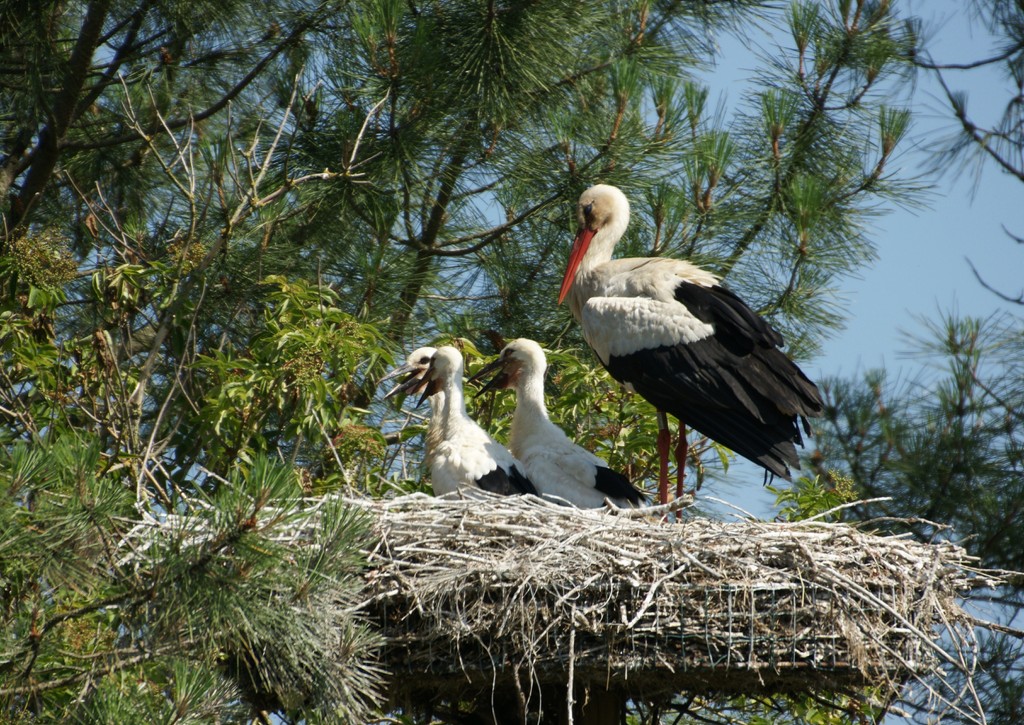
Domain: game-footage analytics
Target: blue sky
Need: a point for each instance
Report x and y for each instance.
(923, 264)
(922, 267)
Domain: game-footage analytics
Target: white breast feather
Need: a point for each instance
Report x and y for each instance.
(445, 469)
(557, 466)
(624, 325)
(461, 462)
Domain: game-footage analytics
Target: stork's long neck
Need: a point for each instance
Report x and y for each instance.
(587, 280)
(530, 408)
(435, 426)
(530, 395)
(454, 404)
(603, 243)
(438, 411)
(437, 404)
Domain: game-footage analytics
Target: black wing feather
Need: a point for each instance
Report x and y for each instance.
(738, 326)
(615, 485)
(736, 386)
(506, 483)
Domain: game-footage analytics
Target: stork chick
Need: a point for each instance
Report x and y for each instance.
(465, 456)
(557, 466)
(416, 366)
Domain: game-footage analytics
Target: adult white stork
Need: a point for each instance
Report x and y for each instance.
(669, 331)
(557, 466)
(465, 456)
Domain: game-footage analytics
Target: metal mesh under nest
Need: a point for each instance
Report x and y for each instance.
(494, 591)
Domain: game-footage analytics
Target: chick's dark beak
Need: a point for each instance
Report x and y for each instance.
(498, 382)
(414, 376)
(429, 387)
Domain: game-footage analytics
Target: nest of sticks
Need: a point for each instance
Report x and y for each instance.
(520, 596)
(491, 592)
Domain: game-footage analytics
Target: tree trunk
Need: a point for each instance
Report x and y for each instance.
(44, 158)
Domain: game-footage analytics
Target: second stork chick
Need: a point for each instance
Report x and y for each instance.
(557, 466)
(464, 456)
(415, 369)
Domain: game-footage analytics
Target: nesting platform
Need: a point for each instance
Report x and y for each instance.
(495, 592)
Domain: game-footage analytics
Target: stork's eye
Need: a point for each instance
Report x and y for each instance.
(425, 360)
(588, 209)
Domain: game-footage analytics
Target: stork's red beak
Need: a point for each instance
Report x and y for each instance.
(579, 249)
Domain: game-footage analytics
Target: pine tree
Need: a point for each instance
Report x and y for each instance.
(223, 220)
(945, 445)
(944, 451)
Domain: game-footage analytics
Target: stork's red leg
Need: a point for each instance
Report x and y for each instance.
(681, 448)
(664, 442)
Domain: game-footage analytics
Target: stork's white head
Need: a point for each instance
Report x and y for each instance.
(602, 211)
(601, 204)
(444, 369)
(416, 366)
(522, 358)
(446, 364)
(419, 359)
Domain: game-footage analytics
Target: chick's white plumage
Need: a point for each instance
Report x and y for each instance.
(415, 369)
(556, 465)
(465, 456)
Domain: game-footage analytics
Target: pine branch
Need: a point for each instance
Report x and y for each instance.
(426, 244)
(819, 94)
(214, 108)
(43, 158)
(127, 47)
(1011, 50)
(972, 132)
(120, 660)
(491, 235)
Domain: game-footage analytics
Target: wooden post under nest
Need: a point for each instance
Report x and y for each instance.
(588, 706)
(511, 602)
(601, 707)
